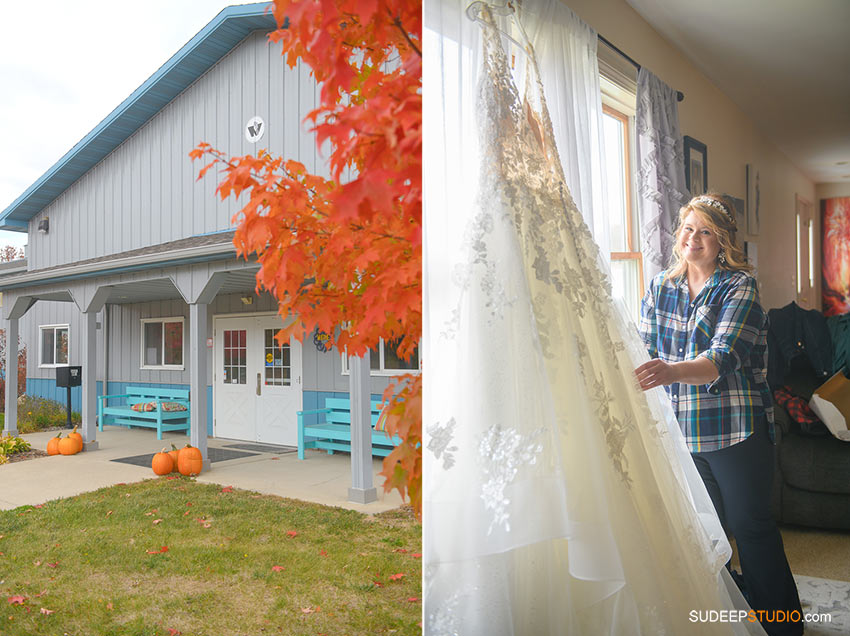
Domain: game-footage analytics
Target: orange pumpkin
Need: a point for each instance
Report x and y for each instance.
(174, 453)
(68, 446)
(190, 461)
(53, 445)
(162, 463)
(75, 435)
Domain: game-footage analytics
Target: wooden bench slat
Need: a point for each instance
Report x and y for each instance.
(335, 432)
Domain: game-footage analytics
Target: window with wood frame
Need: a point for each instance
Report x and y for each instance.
(626, 258)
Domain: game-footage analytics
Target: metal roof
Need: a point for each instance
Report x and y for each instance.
(196, 57)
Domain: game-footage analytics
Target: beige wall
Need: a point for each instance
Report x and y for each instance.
(830, 190)
(731, 137)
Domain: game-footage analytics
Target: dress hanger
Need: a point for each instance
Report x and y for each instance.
(473, 12)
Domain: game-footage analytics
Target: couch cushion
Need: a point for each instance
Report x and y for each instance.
(817, 464)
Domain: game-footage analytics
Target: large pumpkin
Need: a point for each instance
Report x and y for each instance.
(162, 463)
(189, 460)
(53, 445)
(68, 446)
(75, 435)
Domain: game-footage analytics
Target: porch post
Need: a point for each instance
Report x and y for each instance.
(90, 380)
(11, 425)
(198, 318)
(362, 490)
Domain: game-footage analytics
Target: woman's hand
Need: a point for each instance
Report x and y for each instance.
(655, 373)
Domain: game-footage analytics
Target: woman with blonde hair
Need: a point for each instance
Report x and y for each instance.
(706, 333)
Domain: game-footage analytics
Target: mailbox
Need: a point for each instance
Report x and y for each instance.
(69, 376)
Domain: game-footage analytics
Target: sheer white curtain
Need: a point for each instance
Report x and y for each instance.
(566, 54)
(661, 177)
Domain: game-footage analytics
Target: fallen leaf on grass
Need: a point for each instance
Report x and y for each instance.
(204, 522)
(292, 533)
(278, 568)
(109, 606)
(108, 513)
(44, 610)
(55, 564)
(16, 600)
(148, 514)
(378, 583)
(172, 477)
(413, 599)
(310, 610)
(227, 489)
(323, 553)
(38, 506)
(400, 550)
(37, 563)
(42, 593)
(160, 551)
(416, 555)
(173, 632)
(157, 521)
(396, 577)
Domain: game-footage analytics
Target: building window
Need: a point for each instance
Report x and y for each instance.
(384, 360)
(54, 346)
(162, 343)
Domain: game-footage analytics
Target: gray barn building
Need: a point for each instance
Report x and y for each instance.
(130, 269)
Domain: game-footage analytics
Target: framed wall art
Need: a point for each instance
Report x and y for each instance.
(835, 225)
(696, 166)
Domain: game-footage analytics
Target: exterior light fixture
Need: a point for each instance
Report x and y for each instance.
(44, 225)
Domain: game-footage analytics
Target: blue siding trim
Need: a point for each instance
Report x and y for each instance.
(313, 400)
(197, 56)
(46, 388)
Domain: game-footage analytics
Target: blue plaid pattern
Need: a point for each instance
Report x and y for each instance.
(726, 324)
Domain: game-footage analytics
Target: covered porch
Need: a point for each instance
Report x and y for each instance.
(173, 282)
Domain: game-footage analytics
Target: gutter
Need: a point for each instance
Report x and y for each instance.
(185, 256)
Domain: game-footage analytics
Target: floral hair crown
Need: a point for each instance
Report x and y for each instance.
(717, 205)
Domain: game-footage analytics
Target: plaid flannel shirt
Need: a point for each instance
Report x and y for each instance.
(726, 324)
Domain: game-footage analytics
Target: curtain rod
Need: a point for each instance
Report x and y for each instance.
(680, 96)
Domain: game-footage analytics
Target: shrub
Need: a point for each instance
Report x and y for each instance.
(37, 414)
(10, 445)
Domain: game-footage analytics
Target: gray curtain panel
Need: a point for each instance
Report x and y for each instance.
(661, 174)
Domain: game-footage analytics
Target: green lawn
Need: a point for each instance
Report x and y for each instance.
(172, 556)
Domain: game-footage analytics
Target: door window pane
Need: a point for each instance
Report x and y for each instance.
(235, 356)
(276, 360)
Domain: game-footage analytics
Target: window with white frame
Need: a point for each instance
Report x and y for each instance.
(53, 346)
(162, 343)
(384, 360)
(619, 91)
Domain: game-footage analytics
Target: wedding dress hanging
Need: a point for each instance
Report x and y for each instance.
(558, 497)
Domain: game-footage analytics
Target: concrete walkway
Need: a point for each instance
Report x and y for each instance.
(319, 478)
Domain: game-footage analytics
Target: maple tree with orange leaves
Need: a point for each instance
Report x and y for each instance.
(344, 254)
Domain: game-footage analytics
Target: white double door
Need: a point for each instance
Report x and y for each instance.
(257, 384)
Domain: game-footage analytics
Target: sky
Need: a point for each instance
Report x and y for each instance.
(65, 65)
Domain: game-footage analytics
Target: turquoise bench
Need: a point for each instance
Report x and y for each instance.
(333, 433)
(124, 415)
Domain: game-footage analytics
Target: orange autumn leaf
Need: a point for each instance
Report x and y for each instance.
(46, 611)
(16, 600)
(278, 568)
(160, 551)
(227, 489)
(396, 577)
(292, 533)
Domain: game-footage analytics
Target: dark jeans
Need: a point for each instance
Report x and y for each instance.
(739, 480)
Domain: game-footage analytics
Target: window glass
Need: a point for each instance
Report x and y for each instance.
(615, 166)
(153, 344)
(61, 345)
(174, 343)
(393, 361)
(276, 360)
(235, 369)
(47, 340)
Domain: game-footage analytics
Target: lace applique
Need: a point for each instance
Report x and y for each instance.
(441, 437)
(443, 621)
(503, 452)
(616, 430)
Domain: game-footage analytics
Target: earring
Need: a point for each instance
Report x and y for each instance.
(722, 257)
